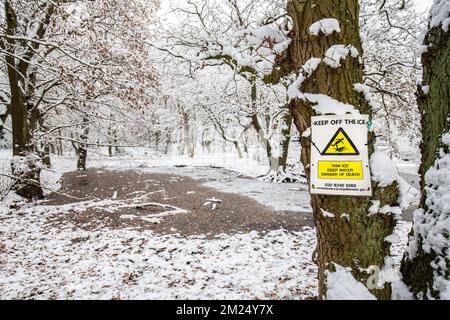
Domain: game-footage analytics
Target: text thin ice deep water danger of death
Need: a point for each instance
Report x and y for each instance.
(340, 156)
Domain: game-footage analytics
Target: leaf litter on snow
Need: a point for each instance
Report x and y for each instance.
(44, 261)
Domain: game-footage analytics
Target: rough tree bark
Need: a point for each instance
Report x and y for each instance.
(434, 104)
(17, 106)
(356, 242)
(24, 166)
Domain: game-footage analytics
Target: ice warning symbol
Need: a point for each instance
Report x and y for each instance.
(340, 145)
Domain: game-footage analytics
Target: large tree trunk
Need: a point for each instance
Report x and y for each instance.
(352, 238)
(17, 107)
(25, 167)
(426, 264)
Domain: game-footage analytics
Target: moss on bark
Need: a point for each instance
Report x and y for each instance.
(434, 104)
(357, 242)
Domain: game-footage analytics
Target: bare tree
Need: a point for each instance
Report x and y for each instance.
(63, 57)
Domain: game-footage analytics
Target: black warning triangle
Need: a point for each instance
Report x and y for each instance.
(340, 145)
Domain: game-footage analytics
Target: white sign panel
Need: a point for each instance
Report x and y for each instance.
(339, 156)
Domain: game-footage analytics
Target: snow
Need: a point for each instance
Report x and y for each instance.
(307, 133)
(339, 52)
(366, 91)
(433, 224)
(390, 271)
(5, 182)
(293, 91)
(424, 5)
(388, 274)
(213, 202)
(391, 274)
(327, 214)
(288, 197)
(402, 229)
(44, 261)
(341, 285)
(440, 14)
(442, 285)
(326, 26)
(375, 207)
(387, 209)
(362, 88)
(408, 168)
(323, 104)
(408, 195)
(397, 211)
(393, 238)
(327, 105)
(255, 47)
(384, 171)
(311, 65)
(109, 206)
(223, 172)
(400, 291)
(41, 261)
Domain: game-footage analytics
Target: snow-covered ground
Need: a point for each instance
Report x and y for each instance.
(289, 197)
(43, 262)
(224, 172)
(40, 260)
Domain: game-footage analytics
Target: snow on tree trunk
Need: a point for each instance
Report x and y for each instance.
(44, 155)
(25, 167)
(81, 150)
(286, 134)
(348, 236)
(426, 264)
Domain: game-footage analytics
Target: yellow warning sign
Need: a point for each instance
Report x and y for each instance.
(341, 145)
(341, 170)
